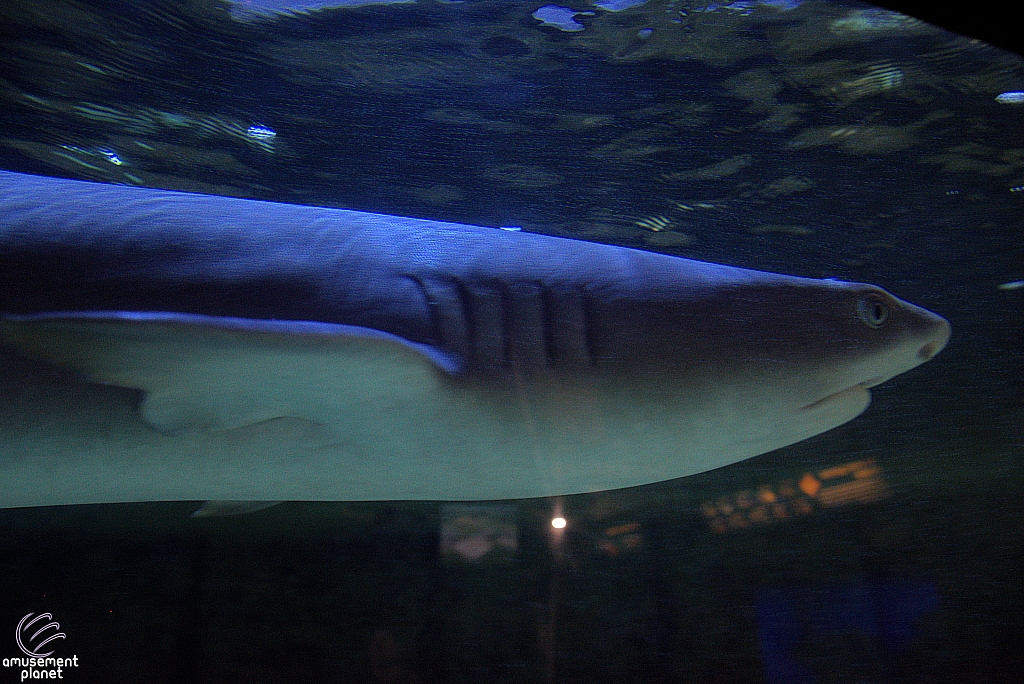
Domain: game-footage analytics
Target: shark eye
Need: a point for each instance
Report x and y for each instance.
(873, 310)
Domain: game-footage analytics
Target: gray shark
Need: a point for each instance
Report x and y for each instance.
(164, 345)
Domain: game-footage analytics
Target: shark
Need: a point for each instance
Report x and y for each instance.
(159, 345)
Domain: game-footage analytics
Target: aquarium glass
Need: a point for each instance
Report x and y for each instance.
(808, 138)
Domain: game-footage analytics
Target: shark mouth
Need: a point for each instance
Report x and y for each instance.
(857, 391)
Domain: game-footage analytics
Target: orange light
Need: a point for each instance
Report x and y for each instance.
(809, 484)
(846, 469)
(858, 491)
(631, 542)
(622, 529)
(867, 471)
(853, 482)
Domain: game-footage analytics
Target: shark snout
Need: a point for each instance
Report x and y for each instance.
(930, 329)
(938, 342)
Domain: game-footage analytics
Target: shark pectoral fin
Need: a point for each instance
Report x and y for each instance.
(215, 373)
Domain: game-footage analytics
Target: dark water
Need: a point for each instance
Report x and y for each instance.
(824, 139)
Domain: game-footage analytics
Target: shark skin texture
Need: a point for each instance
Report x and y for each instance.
(159, 345)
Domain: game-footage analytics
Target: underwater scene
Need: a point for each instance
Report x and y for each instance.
(414, 341)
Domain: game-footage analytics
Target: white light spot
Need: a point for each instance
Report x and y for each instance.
(111, 156)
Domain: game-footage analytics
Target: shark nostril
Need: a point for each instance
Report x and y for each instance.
(929, 350)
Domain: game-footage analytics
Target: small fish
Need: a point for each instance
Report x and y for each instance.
(111, 156)
(655, 223)
(879, 79)
(162, 346)
(1012, 285)
(1012, 97)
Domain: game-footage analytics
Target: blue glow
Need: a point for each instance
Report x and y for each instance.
(784, 5)
(260, 132)
(560, 17)
(617, 5)
(248, 10)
